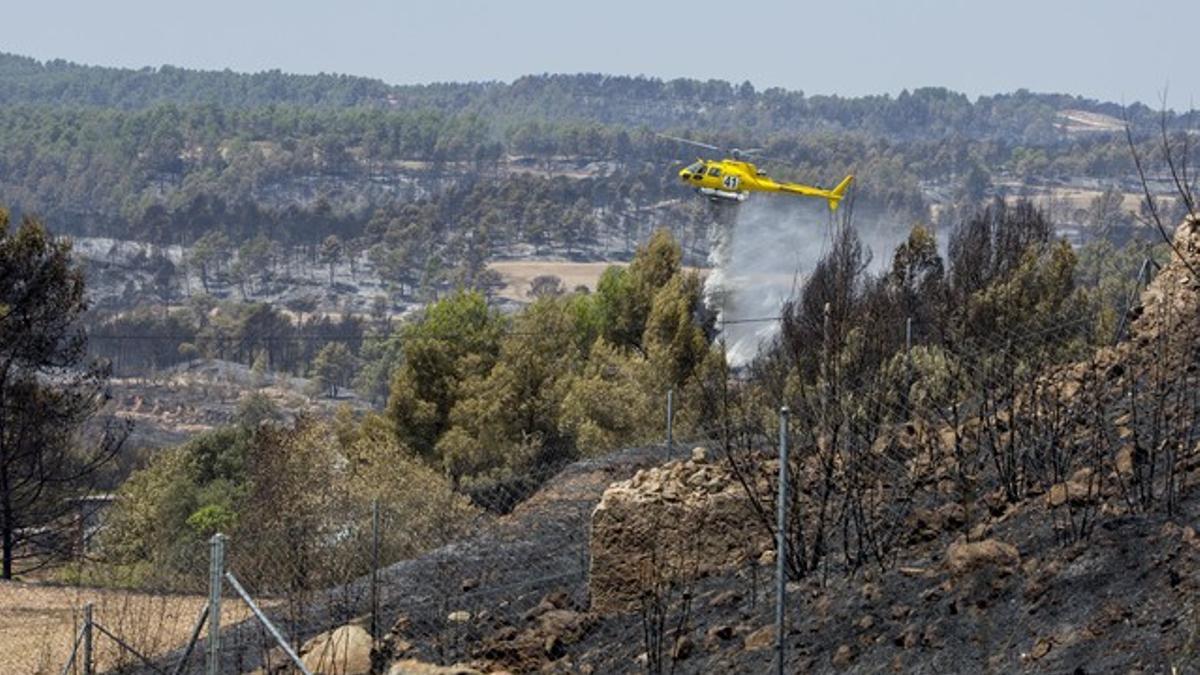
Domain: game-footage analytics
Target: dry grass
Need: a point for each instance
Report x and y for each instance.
(517, 274)
(38, 624)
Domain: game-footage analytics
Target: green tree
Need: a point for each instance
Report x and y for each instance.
(331, 252)
(48, 389)
(508, 419)
(625, 297)
(1036, 294)
(253, 260)
(209, 251)
(333, 367)
(457, 338)
(675, 341)
(607, 404)
(545, 285)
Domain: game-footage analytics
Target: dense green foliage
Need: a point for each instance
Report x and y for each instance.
(627, 101)
(490, 399)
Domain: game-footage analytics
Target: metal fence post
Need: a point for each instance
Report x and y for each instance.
(781, 542)
(670, 422)
(88, 662)
(908, 369)
(375, 533)
(216, 572)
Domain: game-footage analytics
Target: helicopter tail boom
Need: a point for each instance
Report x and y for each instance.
(833, 197)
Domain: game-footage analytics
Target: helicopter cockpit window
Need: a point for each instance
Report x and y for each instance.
(714, 171)
(697, 168)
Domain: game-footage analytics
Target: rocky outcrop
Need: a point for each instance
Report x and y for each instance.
(676, 521)
(1174, 294)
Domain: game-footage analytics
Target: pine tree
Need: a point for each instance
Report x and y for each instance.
(48, 389)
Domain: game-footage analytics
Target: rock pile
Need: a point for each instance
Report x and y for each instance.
(681, 520)
(544, 637)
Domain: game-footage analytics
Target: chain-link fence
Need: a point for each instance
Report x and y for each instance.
(78, 620)
(309, 588)
(380, 579)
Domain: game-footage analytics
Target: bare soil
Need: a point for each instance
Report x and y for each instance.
(517, 275)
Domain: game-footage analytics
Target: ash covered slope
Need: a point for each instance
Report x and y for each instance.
(1093, 569)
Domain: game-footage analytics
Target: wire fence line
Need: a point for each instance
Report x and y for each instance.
(1043, 416)
(366, 569)
(444, 599)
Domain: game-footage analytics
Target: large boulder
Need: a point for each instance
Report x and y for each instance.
(342, 651)
(677, 521)
(963, 557)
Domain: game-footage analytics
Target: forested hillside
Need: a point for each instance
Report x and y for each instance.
(167, 154)
(258, 198)
(628, 101)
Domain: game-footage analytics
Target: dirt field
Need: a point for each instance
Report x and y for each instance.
(38, 624)
(517, 274)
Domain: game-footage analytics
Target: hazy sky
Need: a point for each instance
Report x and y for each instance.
(1119, 50)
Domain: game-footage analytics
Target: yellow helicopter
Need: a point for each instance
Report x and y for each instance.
(733, 178)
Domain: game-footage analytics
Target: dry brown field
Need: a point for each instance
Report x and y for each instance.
(38, 624)
(517, 274)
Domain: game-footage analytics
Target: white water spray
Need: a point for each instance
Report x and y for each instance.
(764, 257)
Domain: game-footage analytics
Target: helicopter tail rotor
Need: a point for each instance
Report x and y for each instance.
(836, 194)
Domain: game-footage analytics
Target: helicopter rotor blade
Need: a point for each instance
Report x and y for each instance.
(746, 154)
(689, 141)
(761, 158)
